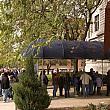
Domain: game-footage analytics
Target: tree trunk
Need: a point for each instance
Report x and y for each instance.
(48, 68)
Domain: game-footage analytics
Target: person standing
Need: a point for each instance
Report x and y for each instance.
(108, 82)
(5, 85)
(75, 84)
(98, 84)
(61, 83)
(0, 85)
(44, 78)
(55, 80)
(91, 82)
(12, 80)
(85, 78)
(67, 80)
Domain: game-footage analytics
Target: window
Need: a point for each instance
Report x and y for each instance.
(97, 23)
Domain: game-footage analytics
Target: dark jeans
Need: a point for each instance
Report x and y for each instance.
(61, 90)
(98, 90)
(94, 87)
(67, 94)
(85, 88)
(55, 87)
(91, 88)
(108, 89)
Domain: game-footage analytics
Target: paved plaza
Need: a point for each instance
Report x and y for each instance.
(7, 106)
(60, 102)
(64, 102)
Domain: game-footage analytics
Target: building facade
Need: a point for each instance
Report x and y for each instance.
(96, 33)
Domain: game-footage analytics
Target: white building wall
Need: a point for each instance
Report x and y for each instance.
(98, 65)
(102, 66)
(98, 35)
(94, 34)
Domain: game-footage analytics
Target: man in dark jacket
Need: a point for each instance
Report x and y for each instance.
(67, 80)
(61, 84)
(108, 82)
(5, 86)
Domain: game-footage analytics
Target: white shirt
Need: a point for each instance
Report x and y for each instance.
(85, 78)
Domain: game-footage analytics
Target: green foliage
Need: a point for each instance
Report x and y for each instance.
(92, 107)
(29, 94)
(49, 77)
(101, 106)
(22, 21)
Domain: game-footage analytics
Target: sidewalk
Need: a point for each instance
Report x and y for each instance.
(7, 106)
(78, 102)
(61, 102)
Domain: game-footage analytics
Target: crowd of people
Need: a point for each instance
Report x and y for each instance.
(61, 81)
(7, 79)
(85, 84)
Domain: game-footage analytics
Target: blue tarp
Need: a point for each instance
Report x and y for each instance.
(61, 49)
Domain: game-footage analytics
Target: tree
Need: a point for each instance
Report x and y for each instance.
(48, 64)
(23, 21)
(78, 21)
(28, 93)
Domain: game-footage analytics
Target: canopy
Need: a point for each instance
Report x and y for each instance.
(62, 49)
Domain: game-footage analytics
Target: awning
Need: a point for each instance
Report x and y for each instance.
(62, 49)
